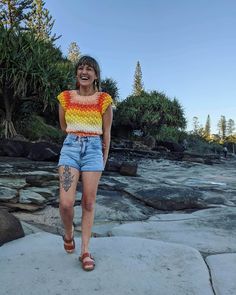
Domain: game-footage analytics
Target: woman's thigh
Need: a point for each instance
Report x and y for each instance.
(90, 180)
(69, 177)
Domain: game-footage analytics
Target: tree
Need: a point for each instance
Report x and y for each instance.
(207, 131)
(30, 69)
(222, 127)
(73, 53)
(230, 127)
(14, 12)
(149, 113)
(138, 83)
(197, 128)
(110, 86)
(196, 125)
(40, 21)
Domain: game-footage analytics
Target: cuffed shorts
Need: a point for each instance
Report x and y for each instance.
(82, 152)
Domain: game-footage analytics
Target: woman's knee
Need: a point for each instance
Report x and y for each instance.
(88, 205)
(66, 205)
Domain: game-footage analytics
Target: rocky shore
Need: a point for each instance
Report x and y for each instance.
(162, 204)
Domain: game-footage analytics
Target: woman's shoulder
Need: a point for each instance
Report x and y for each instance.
(65, 92)
(104, 95)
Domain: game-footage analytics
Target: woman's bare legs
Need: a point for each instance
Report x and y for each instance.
(90, 182)
(69, 177)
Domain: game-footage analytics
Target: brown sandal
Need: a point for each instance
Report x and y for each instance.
(71, 247)
(87, 265)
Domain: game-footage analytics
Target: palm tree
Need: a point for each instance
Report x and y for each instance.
(30, 69)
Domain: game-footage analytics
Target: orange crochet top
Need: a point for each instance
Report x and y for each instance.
(83, 114)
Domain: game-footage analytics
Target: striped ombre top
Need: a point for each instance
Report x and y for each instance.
(83, 114)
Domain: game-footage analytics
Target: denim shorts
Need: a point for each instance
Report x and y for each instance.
(82, 152)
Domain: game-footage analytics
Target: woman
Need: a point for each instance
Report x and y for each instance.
(86, 115)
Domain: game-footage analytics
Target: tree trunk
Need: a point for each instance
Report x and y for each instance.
(9, 129)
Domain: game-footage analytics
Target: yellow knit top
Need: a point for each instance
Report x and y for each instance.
(83, 114)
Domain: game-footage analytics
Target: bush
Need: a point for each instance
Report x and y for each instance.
(35, 128)
(149, 112)
(170, 134)
(199, 145)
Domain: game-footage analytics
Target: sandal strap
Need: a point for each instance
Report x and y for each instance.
(71, 242)
(86, 254)
(68, 241)
(88, 263)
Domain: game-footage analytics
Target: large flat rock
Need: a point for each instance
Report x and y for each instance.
(223, 270)
(209, 231)
(37, 264)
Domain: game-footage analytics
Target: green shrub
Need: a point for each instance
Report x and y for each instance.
(35, 128)
(170, 134)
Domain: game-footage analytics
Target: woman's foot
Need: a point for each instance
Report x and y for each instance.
(69, 243)
(87, 261)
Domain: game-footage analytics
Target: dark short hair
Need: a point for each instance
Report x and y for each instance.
(90, 61)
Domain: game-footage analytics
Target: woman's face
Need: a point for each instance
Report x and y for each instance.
(86, 75)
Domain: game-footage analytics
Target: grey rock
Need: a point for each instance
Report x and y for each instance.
(210, 231)
(50, 192)
(223, 270)
(10, 227)
(41, 179)
(171, 198)
(128, 169)
(24, 207)
(123, 266)
(12, 182)
(30, 197)
(8, 194)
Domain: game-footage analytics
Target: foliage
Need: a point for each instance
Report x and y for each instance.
(30, 69)
(207, 131)
(149, 112)
(138, 83)
(198, 144)
(110, 86)
(40, 21)
(34, 128)
(230, 127)
(14, 12)
(222, 127)
(73, 53)
(170, 134)
(197, 128)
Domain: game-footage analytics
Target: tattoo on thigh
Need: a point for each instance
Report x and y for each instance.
(66, 178)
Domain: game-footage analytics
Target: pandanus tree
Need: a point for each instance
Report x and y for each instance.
(30, 69)
(149, 112)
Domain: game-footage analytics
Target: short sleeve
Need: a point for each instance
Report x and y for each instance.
(63, 99)
(107, 100)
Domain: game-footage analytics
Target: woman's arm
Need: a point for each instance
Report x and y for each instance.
(106, 123)
(62, 118)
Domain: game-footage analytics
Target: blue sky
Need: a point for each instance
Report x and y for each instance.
(186, 48)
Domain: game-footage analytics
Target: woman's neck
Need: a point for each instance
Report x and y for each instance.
(86, 91)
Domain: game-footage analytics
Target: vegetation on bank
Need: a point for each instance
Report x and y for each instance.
(33, 71)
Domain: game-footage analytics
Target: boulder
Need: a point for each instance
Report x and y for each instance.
(150, 141)
(172, 146)
(171, 198)
(14, 148)
(113, 166)
(128, 169)
(41, 179)
(31, 197)
(10, 227)
(44, 151)
(8, 194)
